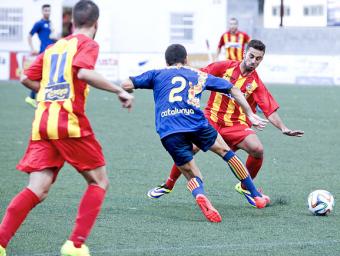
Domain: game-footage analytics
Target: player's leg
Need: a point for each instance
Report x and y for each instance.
(239, 170)
(180, 148)
(88, 210)
(234, 136)
(85, 154)
(42, 162)
(90, 204)
(20, 206)
(166, 188)
(253, 146)
(196, 186)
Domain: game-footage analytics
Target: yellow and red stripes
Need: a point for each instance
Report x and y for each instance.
(238, 168)
(224, 110)
(192, 184)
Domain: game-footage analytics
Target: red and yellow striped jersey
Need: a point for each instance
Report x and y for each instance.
(234, 44)
(62, 96)
(225, 111)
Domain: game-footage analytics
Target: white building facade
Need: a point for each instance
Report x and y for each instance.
(297, 13)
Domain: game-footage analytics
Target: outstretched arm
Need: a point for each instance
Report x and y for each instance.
(257, 121)
(98, 81)
(127, 85)
(275, 119)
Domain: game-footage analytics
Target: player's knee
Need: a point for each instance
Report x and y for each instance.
(257, 151)
(195, 149)
(41, 193)
(103, 183)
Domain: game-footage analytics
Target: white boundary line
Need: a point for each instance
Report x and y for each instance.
(230, 247)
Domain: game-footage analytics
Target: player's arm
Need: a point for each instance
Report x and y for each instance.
(238, 96)
(30, 43)
(98, 81)
(29, 38)
(127, 85)
(224, 86)
(220, 44)
(32, 75)
(269, 107)
(143, 81)
(276, 120)
(30, 84)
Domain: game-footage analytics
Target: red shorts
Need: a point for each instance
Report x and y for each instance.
(233, 135)
(83, 153)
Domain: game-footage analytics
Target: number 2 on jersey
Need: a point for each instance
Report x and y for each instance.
(172, 96)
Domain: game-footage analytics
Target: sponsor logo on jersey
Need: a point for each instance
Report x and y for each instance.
(177, 111)
(57, 92)
(233, 45)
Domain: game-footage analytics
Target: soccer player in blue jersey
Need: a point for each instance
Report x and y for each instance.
(180, 123)
(43, 29)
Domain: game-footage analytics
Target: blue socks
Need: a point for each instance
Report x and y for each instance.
(195, 185)
(241, 172)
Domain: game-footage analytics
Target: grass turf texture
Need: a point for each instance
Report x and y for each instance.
(131, 224)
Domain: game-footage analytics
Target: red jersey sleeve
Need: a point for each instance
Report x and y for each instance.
(216, 68)
(246, 38)
(221, 42)
(264, 99)
(34, 72)
(86, 56)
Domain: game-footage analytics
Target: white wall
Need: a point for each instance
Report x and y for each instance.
(296, 17)
(31, 14)
(144, 25)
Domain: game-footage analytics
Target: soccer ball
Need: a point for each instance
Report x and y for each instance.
(320, 202)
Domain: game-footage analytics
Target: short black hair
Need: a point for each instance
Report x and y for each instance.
(256, 44)
(85, 14)
(233, 18)
(45, 6)
(174, 54)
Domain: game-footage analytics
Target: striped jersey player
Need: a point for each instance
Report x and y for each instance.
(233, 41)
(180, 122)
(228, 118)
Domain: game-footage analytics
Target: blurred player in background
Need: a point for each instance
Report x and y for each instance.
(180, 122)
(44, 30)
(61, 131)
(226, 116)
(233, 41)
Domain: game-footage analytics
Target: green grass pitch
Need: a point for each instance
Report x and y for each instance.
(131, 224)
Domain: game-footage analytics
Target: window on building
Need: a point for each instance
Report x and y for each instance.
(11, 24)
(276, 10)
(181, 27)
(313, 10)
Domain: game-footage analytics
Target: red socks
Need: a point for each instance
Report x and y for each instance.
(174, 175)
(16, 213)
(253, 165)
(26, 200)
(88, 210)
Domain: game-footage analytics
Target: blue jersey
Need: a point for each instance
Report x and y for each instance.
(43, 29)
(177, 93)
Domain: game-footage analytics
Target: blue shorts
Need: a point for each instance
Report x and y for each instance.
(179, 145)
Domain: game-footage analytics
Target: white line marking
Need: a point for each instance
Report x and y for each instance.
(234, 247)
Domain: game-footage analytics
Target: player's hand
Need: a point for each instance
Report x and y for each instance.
(294, 133)
(126, 99)
(258, 122)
